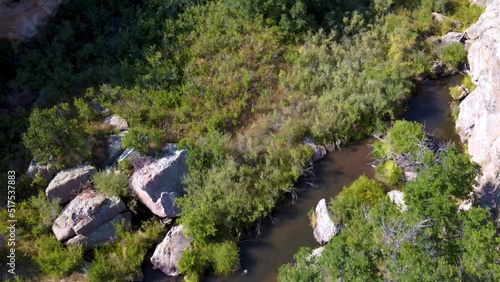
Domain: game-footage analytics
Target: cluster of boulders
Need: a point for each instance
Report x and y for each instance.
(479, 114)
(90, 218)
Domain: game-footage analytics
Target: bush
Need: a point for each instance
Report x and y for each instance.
(112, 183)
(453, 55)
(468, 83)
(363, 191)
(52, 134)
(225, 257)
(143, 139)
(404, 136)
(54, 258)
(455, 92)
(389, 173)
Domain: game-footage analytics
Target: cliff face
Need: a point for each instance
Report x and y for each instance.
(20, 20)
(479, 119)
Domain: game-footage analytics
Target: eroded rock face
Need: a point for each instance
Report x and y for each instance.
(114, 147)
(158, 182)
(324, 229)
(479, 118)
(168, 253)
(453, 37)
(67, 183)
(20, 20)
(398, 198)
(319, 150)
(85, 214)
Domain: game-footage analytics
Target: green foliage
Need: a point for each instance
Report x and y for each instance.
(54, 258)
(52, 135)
(453, 55)
(456, 92)
(122, 261)
(111, 183)
(143, 139)
(36, 215)
(225, 257)
(304, 269)
(389, 173)
(468, 83)
(363, 191)
(466, 13)
(405, 135)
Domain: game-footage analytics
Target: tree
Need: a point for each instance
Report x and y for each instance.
(52, 134)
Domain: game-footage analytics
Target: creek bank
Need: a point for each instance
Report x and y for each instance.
(479, 112)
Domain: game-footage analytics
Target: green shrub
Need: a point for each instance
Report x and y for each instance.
(143, 139)
(389, 173)
(125, 166)
(455, 110)
(225, 257)
(52, 134)
(453, 55)
(468, 83)
(455, 92)
(363, 191)
(466, 13)
(36, 215)
(404, 136)
(112, 183)
(54, 258)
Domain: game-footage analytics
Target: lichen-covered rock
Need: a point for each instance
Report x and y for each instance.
(319, 150)
(324, 228)
(168, 253)
(398, 198)
(84, 214)
(67, 183)
(158, 182)
(104, 234)
(116, 122)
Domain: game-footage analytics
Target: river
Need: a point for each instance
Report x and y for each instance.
(290, 228)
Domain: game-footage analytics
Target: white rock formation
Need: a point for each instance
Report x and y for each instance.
(67, 183)
(168, 253)
(324, 228)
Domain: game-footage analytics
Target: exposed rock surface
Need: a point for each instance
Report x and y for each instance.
(158, 182)
(479, 118)
(116, 122)
(67, 183)
(168, 253)
(85, 214)
(398, 198)
(114, 147)
(324, 228)
(19, 20)
(453, 37)
(46, 171)
(103, 234)
(319, 150)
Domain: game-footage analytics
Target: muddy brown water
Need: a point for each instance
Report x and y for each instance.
(290, 228)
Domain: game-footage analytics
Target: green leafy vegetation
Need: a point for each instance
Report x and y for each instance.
(237, 83)
(453, 55)
(54, 258)
(111, 183)
(432, 241)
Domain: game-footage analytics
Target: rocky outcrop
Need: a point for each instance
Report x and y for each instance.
(453, 37)
(46, 171)
(20, 20)
(324, 228)
(479, 116)
(168, 253)
(158, 182)
(103, 234)
(67, 183)
(85, 214)
(319, 150)
(398, 198)
(116, 122)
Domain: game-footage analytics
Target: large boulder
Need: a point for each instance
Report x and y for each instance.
(116, 122)
(67, 183)
(86, 213)
(168, 253)
(440, 18)
(158, 182)
(324, 228)
(46, 171)
(479, 114)
(319, 150)
(398, 198)
(104, 234)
